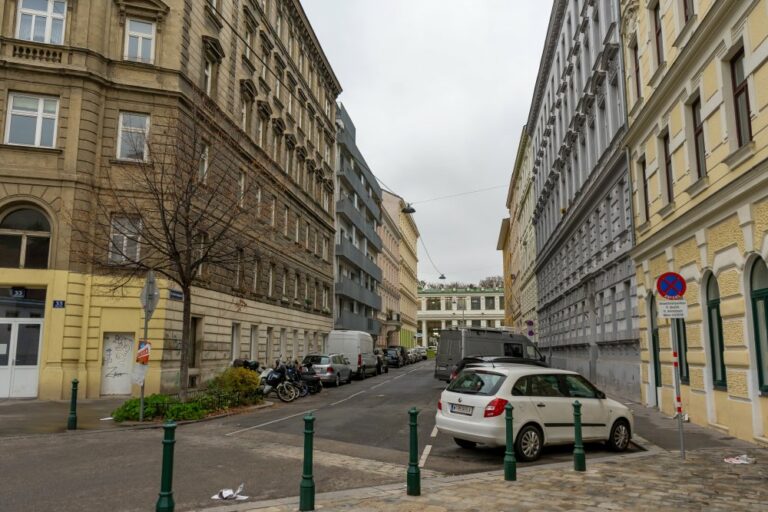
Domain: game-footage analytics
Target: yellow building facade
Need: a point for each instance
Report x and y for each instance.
(517, 242)
(697, 96)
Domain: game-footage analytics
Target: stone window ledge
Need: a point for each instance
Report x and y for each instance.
(740, 155)
(657, 74)
(697, 186)
(682, 37)
(33, 149)
(667, 210)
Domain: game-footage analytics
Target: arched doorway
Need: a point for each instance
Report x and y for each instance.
(655, 349)
(759, 287)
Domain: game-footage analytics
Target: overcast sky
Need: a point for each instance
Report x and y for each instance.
(439, 91)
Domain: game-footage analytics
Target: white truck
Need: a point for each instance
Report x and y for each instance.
(357, 347)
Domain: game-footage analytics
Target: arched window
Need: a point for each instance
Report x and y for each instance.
(716, 343)
(759, 286)
(25, 237)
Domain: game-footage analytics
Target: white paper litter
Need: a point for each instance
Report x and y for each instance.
(741, 459)
(229, 494)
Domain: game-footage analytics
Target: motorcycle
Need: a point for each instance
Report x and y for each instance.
(310, 377)
(272, 380)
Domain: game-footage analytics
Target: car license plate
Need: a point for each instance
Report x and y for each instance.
(461, 409)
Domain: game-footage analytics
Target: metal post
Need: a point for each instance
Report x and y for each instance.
(510, 464)
(678, 401)
(414, 475)
(165, 500)
(72, 418)
(141, 395)
(579, 459)
(307, 487)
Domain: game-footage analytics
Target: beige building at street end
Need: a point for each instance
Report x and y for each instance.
(697, 97)
(408, 264)
(87, 88)
(445, 308)
(517, 241)
(389, 262)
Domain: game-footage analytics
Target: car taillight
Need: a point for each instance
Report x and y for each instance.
(330, 369)
(453, 375)
(359, 360)
(495, 408)
(439, 405)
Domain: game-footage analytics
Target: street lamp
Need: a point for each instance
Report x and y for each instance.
(408, 208)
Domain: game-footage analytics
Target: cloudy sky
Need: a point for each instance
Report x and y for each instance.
(439, 91)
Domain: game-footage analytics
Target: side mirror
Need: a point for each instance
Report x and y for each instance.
(600, 394)
(543, 359)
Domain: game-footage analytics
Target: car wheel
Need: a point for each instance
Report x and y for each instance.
(349, 378)
(620, 436)
(338, 380)
(529, 443)
(386, 369)
(362, 373)
(464, 443)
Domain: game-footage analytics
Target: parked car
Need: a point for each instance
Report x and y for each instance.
(332, 368)
(413, 356)
(471, 409)
(394, 357)
(456, 344)
(422, 352)
(474, 361)
(402, 354)
(383, 363)
(357, 347)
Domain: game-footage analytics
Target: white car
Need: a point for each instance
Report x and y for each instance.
(471, 409)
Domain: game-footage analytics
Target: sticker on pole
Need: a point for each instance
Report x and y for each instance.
(142, 355)
(671, 285)
(139, 374)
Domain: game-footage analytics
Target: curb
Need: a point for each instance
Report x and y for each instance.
(426, 484)
(130, 425)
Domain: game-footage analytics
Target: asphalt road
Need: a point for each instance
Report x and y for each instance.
(361, 440)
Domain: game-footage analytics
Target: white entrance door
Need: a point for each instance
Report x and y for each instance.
(117, 364)
(19, 357)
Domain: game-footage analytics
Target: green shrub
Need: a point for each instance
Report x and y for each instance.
(187, 411)
(154, 406)
(236, 380)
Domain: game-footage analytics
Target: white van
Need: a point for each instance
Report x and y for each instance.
(357, 346)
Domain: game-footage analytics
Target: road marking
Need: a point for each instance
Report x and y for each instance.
(349, 397)
(424, 455)
(270, 422)
(434, 432)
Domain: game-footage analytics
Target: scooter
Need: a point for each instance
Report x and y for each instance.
(311, 378)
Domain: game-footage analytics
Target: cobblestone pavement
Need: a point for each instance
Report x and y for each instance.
(656, 480)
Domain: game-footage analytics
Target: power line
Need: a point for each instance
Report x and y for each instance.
(459, 194)
(421, 239)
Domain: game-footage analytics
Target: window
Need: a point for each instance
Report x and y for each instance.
(238, 269)
(325, 248)
(139, 41)
(250, 42)
(202, 165)
(271, 282)
(545, 385)
(132, 137)
(241, 189)
(25, 237)
(285, 283)
(42, 21)
(273, 212)
(201, 243)
(658, 34)
(255, 276)
(643, 179)
(681, 345)
(476, 382)
(759, 286)
(476, 323)
(490, 303)
(716, 344)
(474, 303)
(687, 10)
(741, 99)
(296, 287)
(32, 120)
(698, 138)
(513, 350)
(208, 78)
(668, 172)
(125, 239)
(433, 304)
(636, 69)
(579, 387)
(235, 348)
(286, 214)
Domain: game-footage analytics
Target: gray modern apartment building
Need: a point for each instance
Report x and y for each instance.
(583, 219)
(358, 213)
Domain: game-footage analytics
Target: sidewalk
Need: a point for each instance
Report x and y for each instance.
(653, 480)
(19, 417)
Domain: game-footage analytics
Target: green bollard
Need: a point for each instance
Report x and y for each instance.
(510, 464)
(414, 475)
(579, 459)
(165, 500)
(307, 487)
(72, 419)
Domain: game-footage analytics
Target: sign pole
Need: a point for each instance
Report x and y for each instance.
(141, 395)
(678, 400)
(149, 298)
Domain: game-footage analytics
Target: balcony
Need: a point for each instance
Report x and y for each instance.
(356, 322)
(348, 288)
(356, 217)
(347, 250)
(348, 175)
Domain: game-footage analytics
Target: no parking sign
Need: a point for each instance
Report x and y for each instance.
(671, 286)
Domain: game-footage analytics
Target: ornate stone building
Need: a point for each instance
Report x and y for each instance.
(698, 147)
(86, 89)
(582, 213)
(443, 308)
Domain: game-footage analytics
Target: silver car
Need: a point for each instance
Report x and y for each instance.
(332, 368)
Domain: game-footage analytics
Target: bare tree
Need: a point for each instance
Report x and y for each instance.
(492, 282)
(179, 206)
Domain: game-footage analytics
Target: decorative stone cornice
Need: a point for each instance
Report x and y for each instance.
(155, 10)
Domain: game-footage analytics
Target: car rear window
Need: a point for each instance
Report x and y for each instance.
(477, 383)
(317, 360)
